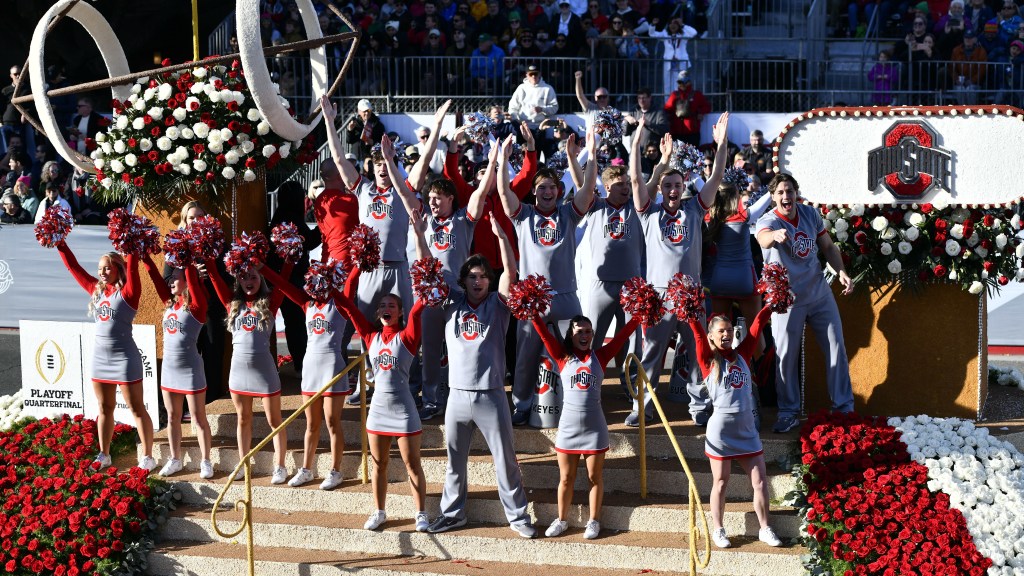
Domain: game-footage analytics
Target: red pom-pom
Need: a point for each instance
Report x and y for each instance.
(177, 250)
(640, 300)
(325, 278)
(206, 238)
(428, 281)
(247, 252)
(287, 242)
(54, 226)
(530, 297)
(132, 234)
(685, 297)
(363, 246)
(774, 285)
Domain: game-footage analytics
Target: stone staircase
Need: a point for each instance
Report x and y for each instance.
(310, 532)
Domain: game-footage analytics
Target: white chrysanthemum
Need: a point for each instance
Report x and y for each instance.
(957, 231)
(249, 176)
(904, 248)
(173, 132)
(253, 115)
(197, 88)
(215, 147)
(116, 166)
(269, 150)
(163, 143)
(879, 223)
(895, 267)
(199, 165)
(145, 144)
(179, 114)
(976, 287)
(228, 172)
(226, 96)
(138, 123)
(98, 163)
(285, 149)
(131, 159)
(164, 91)
(107, 148)
(238, 97)
(156, 112)
(121, 122)
(225, 134)
(199, 72)
(231, 157)
(247, 146)
(885, 249)
(201, 129)
(952, 247)
(263, 128)
(912, 233)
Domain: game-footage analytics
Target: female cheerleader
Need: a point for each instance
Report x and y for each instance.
(582, 429)
(116, 359)
(251, 307)
(731, 433)
(182, 375)
(393, 413)
(324, 360)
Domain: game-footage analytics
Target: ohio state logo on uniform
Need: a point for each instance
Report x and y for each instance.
(379, 208)
(802, 244)
(582, 379)
(616, 228)
(385, 360)
(248, 321)
(318, 324)
(735, 377)
(443, 240)
(470, 327)
(104, 312)
(547, 232)
(909, 163)
(545, 376)
(172, 324)
(674, 230)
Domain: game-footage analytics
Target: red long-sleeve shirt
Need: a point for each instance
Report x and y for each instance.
(410, 335)
(196, 292)
(226, 294)
(690, 124)
(706, 356)
(130, 291)
(604, 352)
(301, 297)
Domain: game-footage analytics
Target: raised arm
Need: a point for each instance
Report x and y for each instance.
(661, 167)
(585, 196)
(710, 188)
(418, 221)
(224, 293)
(351, 286)
(159, 283)
(451, 167)
(581, 96)
(641, 197)
(280, 282)
(509, 201)
(476, 203)
(551, 343)
(749, 344)
(349, 174)
(523, 181)
(361, 324)
(84, 279)
(608, 351)
(413, 331)
(387, 149)
(705, 356)
(196, 294)
(575, 159)
(276, 294)
(508, 259)
(132, 290)
(418, 174)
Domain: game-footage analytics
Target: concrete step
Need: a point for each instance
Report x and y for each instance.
(619, 511)
(621, 473)
(487, 543)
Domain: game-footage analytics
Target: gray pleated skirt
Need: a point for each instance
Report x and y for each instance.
(116, 361)
(732, 436)
(581, 431)
(393, 414)
(183, 373)
(318, 369)
(254, 375)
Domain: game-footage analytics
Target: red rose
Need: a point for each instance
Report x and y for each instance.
(139, 181)
(233, 125)
(250, 162)
(247, 128)
(989, 266)
(860, 238)
(988, 220)
(194, 105)
(986, 244)
(1003, 280)
(205, 117)
(233, 106)
(165, 62)
(155, 131)
(170, 121)
(90, 144)
(210, 176)
(861, 249)
(147, 119)
(126, 177)
(221, 159)
(940, 237)
(236, 64)
(131, 142)
(104, 121)
(198, 148)
(180, 97)
(152, 155)
(941, 224)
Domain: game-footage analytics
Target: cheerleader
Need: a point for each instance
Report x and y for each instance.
(182, 375)
(731, 433)
(116, 359)
(325, 358)
(582, 429)
(252, 307)
(391, 350)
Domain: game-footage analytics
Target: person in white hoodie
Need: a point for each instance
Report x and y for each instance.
(534, 99)
(674, 38)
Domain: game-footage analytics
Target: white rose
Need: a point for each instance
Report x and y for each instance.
(148, 93)
(163, 143)
(262, 128)
(139, 105)
(116, 166)
(225, 134)
(187, 133)
(173, 132)
(247, 146)
(122, 122)
(131, 159)
(885, 248)
(1019, 251)
(231, 157)
(156, 113)
(253, 115)
(242, 137)
(215, 147)
(1015, 222)
(842, 236)
(199, 72)
(888, 234)
(119, 146)
(189, 102)
(106, 182)
(249, 176)
(138, 123)
(97, 153)
(199, 165)
(832, 215)
(174, 158)
(226, 96)
(101, 137)
(228, 172)
(904, 248)
(98, 163)
(911, 234)
(953, 275)
(197, 88)
(895, 267)
(184, 168)
(107, 148)
(940, 203)
(164, 91)
(976, 287)
(213, 136)
(857, 210)
(841, 225)
(974, 239)
(285, 149)
(879, 223)
(179, 113)
(957, 231)
(201, 129)
(1001, 241)
(145, 144)
(238, 97)
(952, 247)
(269, 150)
(136, 89)
(213, 95)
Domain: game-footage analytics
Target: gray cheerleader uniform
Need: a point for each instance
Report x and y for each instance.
(733, 274)
(253, 369)
(182, 370)
(731, 432)
(392, 409)
(384, 211)
(582, 428)
(324, 360)
(116, 357)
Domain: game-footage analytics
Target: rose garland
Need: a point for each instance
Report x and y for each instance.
(639, 299)
(530, 297)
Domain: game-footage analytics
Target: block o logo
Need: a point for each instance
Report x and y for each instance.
(909, 163)
(6, 277)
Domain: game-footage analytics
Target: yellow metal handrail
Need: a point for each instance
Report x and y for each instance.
(644, 382)
(245, 504)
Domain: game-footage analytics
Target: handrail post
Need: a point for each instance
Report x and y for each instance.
(363, 438)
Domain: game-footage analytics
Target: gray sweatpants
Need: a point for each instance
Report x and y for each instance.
(653, 358)
(529, 347)
(603, 306)
(822, 315)
(434, 383)
(487, 410)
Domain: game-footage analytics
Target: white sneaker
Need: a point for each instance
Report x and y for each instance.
(103, 459)
(375, 520)
(240, 475)
(593, 529)
(332, 481)
(301, 477)
(719, 538)
(206, 469)
(767, 535)
(147, 463)
(172, 466)
(422, 522)
(556, 528)
(280, 475)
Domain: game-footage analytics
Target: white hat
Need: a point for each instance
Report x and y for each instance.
(422, 130)
(363, 105)
(391, 24)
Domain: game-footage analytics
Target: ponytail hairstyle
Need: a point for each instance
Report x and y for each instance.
(717, 363)
(567, 348)
(726, 204)
(117, 261)
(186, 296)
(261, 305)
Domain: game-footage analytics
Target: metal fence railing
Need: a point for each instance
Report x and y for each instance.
(219, 41)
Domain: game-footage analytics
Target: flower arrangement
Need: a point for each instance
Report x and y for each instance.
(983, 477)
(1002, 376)
(188, 130)
(975, 248)
(868, 509)
(62, 515)
(11, 408)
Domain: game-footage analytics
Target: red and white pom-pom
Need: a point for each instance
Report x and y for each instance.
(54, 226)
(247, 252)
(206, 237)
(530, 297)
(774, 284)
(428, 281)
(325, 278)
(287, 242)
(177, 249)
(685, 297)
(363, 246)
(640, 300)
(132, 234)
